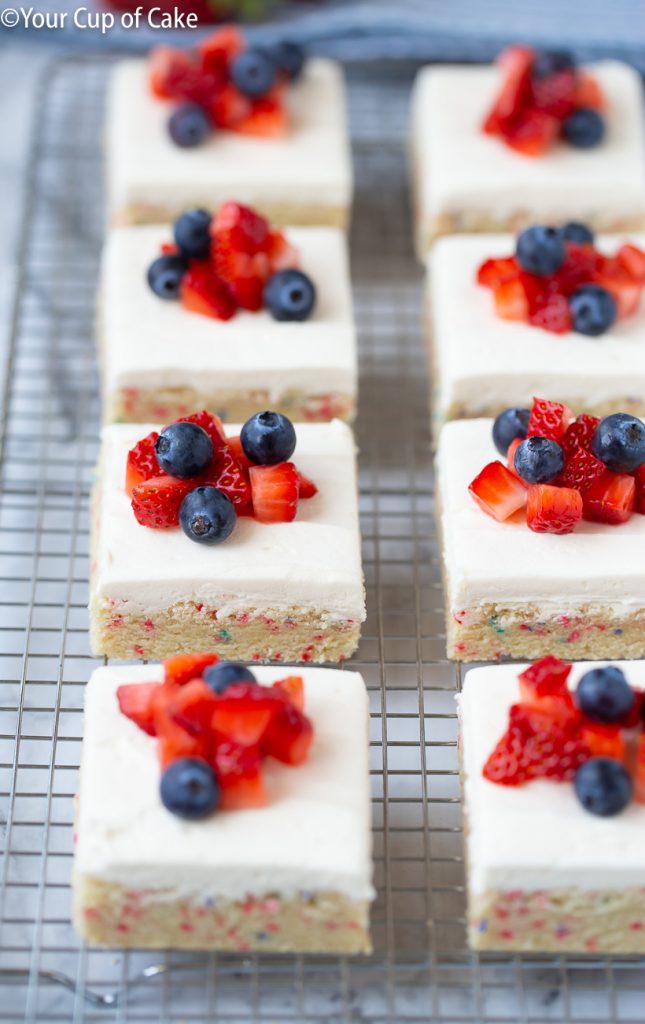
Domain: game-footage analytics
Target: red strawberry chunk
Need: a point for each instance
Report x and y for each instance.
(553, 315)
(533, 133)
(240, 227)
(639, 770)
(173, 740)
(293, 688)
(625, 289)
(267, 118)
(243, 712)
(156, 502)
(506, 765)
(289, 735)
(235, 445)
(610, 499)
(588, 92)
(581, 470)
(553, 509)
(510, 458)
(202, 291)
(555, 94)
(515, 64)
(639, 478)
(603, 740)
(579, 434)
(141, 463)
(136, 702)
(580, 266)
(498, 492)
(167, 69)
(632, 259)
(239, 773)
(511, 301)
(209, 422)
(548, 419)
(225, 474)
(282, 254)
(192, 705)
(228, 107)
(274, 492)
(306, 487)
(183, 667)
(552, 745)
(219, 49)
(245, 275)
(545, 677)
(493, 272)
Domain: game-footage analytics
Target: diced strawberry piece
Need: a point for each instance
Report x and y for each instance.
(603, 740)
(579, 434)
(202, 291)
(192, 705)
(235, 445)
(282, 254)
(156, 501)
(633, 260)
(639, 478)
(167, 69)
(168, 249)
(544, 678)
(510, 458)
(554, 315)
(588, 92)
(634, 717)
(289, 735)
(228, 107)
(306, 487)
(267, 119)
(493, 272)
(515, 64)
(240, 227)
(555, 94)
(141, 463)
(243, 712)
(498, 492)
(511, 302)
(639, 770)
(136, 702)
(225, 474)
(244, 274)
(551, 509)
(552, 747)
(274, 491)
(293, 688)
(505, 765)
(239, 773)
(581, 470)
(220, 48)
(548, 419)
(580, 266)
(533, 133)
(209, 422)
(611, 498)
(183, 667)
(625, 290)
(173, 740)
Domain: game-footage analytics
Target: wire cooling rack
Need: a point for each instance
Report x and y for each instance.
(421, 969)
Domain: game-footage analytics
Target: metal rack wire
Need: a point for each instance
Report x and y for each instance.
(421, 969)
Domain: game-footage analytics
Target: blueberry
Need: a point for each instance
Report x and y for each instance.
(224, 673)
(538, 460)
(584, 129)
(207, 515)
(289, 57)
(540, 250)
(603, 786)
(268, 438)
(619, 442)
(577, 233)
(189, 125)
(192, 233)
(604, 694)
(165, 274)
(593, 309)
(509, 425)
(188, 788)
(253, 72)
(289, 295)
(184, 450)
(549, 62)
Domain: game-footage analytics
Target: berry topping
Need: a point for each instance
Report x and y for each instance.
(165, 275)
(188, 788)
(192, 234)
(290, 295)
(184, 667)
(552, 509)
(549, 419)
(604, 695)
(498, 491)
(204, 292)
(619, 442)
(550, 62)
(253, 72)
(136, 702)
(207, 515)
(610, 498)
(579, 434)
(268, 438)
(593, 310)
(509, 425)
(540, 250)
(538, 460)
(578, 233)
(219, 677)
(142, 463)
(156, 502)
(189, 125)
(275, 492)
(603, 786)
(240, 228)
(581, 470)
(289, 58)
(544, 678)
(184, 450)
(584, 128)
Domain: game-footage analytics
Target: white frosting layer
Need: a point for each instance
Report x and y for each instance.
(538, 836)
(507, 563)
(152, 343)
(313, 562)
(311, 165)
(313, 835)
(461, 168)
(484, 361)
